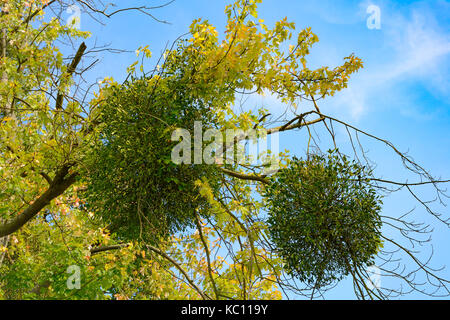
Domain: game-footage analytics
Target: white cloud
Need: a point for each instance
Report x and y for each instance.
(414, 49)
(419, 44)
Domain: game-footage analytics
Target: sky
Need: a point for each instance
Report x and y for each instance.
(402, 93)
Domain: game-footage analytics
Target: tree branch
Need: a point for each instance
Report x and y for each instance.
(208, 257)
(244, 176)
(191, 282)
(70, 70)
(60, 184)
(108, 248)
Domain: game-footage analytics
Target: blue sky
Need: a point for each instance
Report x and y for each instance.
(402, 93)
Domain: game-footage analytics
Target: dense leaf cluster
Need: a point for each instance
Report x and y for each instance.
(133, 184)
(324, 218)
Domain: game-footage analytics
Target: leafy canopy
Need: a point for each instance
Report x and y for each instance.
(319, 214)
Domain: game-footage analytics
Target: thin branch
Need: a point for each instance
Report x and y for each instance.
(244, 176)
(70, 70)
(191, 282)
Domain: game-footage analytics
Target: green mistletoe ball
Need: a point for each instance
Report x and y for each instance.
(324, 218)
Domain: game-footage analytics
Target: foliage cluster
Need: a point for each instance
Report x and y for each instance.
(324, 218)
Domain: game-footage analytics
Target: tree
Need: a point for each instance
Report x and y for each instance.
(91, 183)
